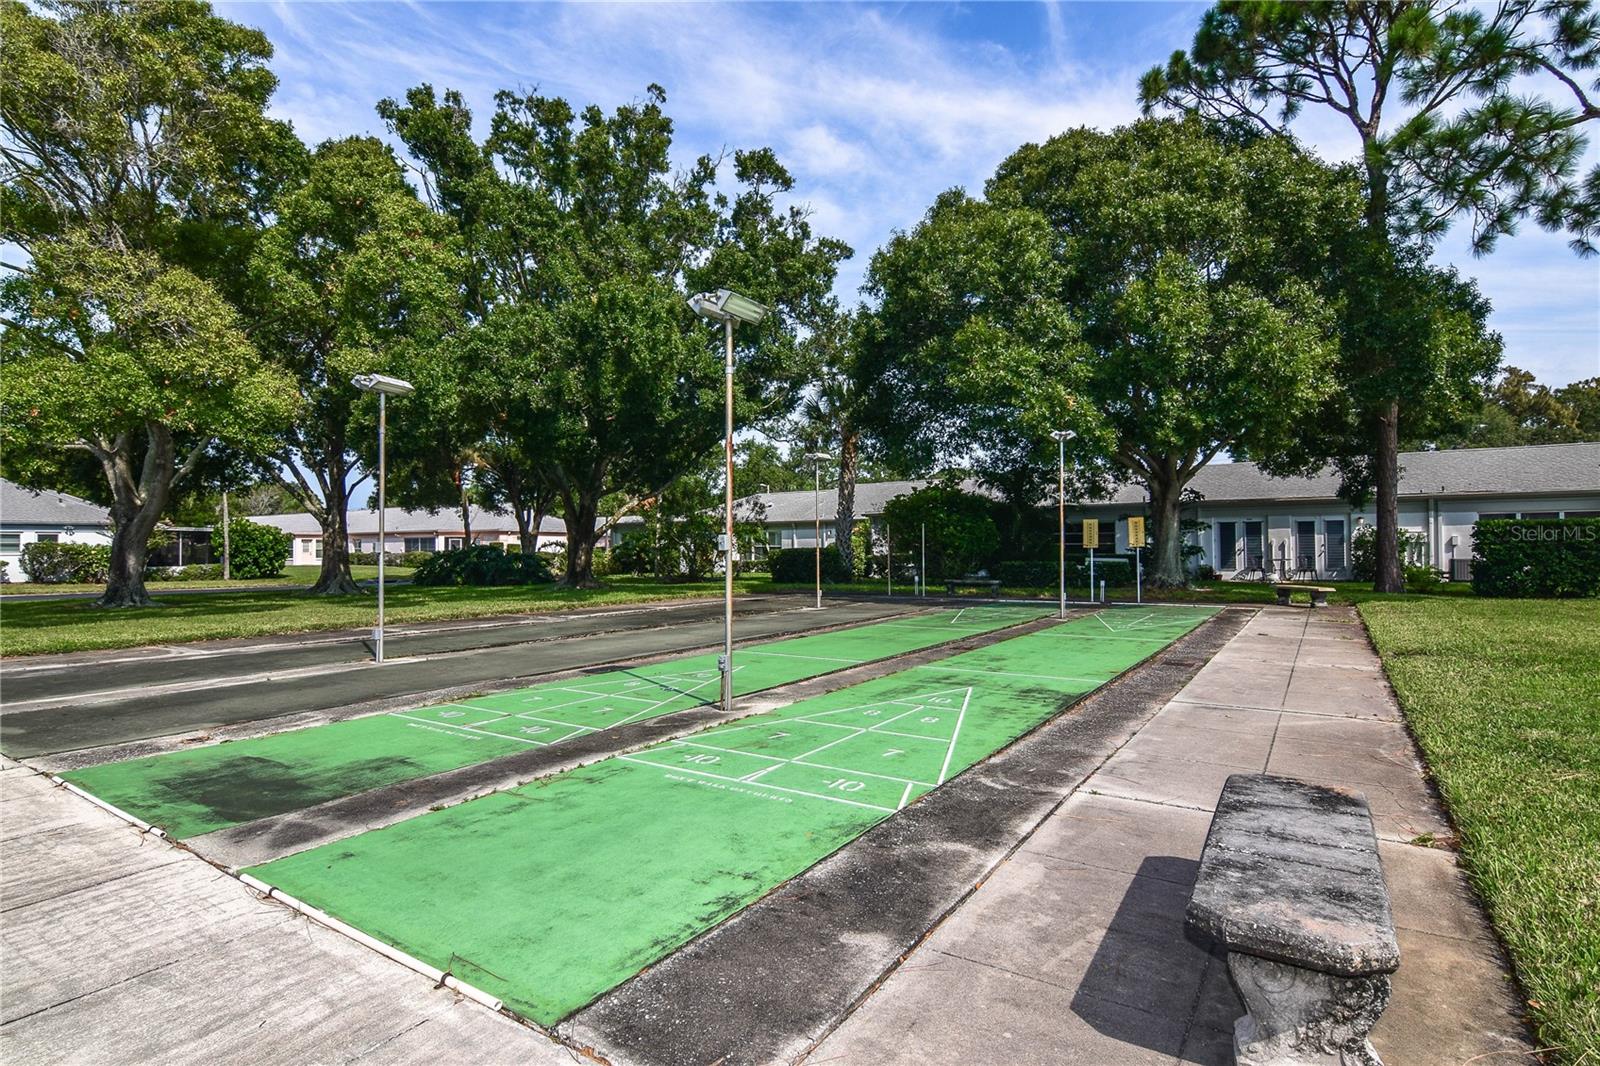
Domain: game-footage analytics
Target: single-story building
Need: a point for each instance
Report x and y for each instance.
(1250, 522)
(411, 531)
(29, 516)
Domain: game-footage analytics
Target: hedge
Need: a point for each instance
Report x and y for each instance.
(390, 558)
(1045, 573)
(52, 563)
(482, 564)
(1541, 557)
(795, 566)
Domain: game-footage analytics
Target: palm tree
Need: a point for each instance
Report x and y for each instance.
(829, 416)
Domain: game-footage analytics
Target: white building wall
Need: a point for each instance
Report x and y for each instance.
(15, 537)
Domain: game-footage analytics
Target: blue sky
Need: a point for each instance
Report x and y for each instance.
(874, 108)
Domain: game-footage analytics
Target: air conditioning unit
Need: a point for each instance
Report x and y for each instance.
(1460, 569)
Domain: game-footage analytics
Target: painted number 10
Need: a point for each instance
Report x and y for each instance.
(844, 784)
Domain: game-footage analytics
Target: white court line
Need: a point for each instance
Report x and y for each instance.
(661, 703)
(1004, 673)
(775, 788)
(906, 795)
(957, 618)
(470, 729)
(557, 721)
(952, 750)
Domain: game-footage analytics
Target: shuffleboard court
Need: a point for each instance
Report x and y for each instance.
(192, 792)
(550, 894)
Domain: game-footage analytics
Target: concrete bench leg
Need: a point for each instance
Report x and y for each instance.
(1302, 1017)
(1319, 598)
(1283, 597)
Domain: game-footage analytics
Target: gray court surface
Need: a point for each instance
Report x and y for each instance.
(122, 697)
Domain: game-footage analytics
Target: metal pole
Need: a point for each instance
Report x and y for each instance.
(1061, 519)
(383, 476)
(923, 571)
(727, 562)
(1091, 574)
(1138, 578)
(227, 544)
(888, 556)
(816, 509)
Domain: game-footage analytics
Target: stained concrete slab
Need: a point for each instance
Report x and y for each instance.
(1139, 822)
(121, 948)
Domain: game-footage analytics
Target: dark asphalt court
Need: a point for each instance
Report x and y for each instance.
(498, 655)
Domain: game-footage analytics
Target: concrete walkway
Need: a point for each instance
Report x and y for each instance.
(121, 948)
(1074, 951)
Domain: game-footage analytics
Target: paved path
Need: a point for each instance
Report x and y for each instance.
(131, 950)
(1074, 950)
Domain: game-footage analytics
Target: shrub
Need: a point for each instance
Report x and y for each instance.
(962, 535)
(601, 563)
(1545, 557)
(632, 556)
(798, 566)
(1044, 573)
(408, 559)
(192, 572)
(1423, 579)
(256, 550)
(482, 564)
(53, 564)
(1364, 554)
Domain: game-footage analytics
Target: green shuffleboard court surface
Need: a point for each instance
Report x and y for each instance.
(550, 894)
(198, 791)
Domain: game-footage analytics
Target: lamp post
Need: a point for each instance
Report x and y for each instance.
(385, 387)
(1061, 437)
(816, 504)
(727, 307)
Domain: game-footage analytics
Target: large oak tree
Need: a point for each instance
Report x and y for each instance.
(1160, 290)
(584, 245)
(1437, 94)
(353, 272)
(137, 157)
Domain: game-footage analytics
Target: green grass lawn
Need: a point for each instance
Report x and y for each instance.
(1504, 698)
(41, 626)
(292, 575)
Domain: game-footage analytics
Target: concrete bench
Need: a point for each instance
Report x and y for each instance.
(1290, 884)
(1319, 594)
(992, 584)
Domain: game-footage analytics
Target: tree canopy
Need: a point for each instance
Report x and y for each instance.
(1160, 290)
(137, 156)
(1435, 92)
(584, 246)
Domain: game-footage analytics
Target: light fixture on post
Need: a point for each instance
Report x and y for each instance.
(385, 387)
(817, 459)
(1061, 437)
(727, 307)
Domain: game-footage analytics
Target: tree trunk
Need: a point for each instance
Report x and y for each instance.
(1386, 472)
(1386, 450)
(1166, 560)
(844, 518)
(583, 509)
(137, 503)
(525, 525)
(335, 579)
(130, 547)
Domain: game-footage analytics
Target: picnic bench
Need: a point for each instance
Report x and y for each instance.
(1290, 885)
(990, 583)
(1319, 594)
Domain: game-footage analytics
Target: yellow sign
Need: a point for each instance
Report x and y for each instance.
(1136, 531)
(1091, 532)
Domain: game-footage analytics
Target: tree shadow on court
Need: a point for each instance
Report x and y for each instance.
(1149, 983)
